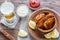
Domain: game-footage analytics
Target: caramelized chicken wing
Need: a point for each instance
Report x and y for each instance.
(49, 23)
(40, 22)
(38, 17)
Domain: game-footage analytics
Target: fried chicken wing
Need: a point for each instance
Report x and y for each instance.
(40, 22)
(49, 23)
(38, 17)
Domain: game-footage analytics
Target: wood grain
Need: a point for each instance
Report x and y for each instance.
(13, 32)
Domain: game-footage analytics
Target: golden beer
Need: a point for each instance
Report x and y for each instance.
(11, 15)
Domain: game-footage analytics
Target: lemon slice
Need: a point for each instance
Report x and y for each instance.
(32, 24)
(47, 35)
(22, 33)
(55, 34)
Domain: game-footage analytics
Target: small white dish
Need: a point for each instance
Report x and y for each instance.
(22, 10)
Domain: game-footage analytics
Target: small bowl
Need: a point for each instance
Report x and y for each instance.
(33, 8)
(37, 12)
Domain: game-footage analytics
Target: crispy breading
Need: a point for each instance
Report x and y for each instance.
(38, 17)
(40, 22)
(49, 23)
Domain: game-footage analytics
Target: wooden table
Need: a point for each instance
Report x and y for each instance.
(53, 4)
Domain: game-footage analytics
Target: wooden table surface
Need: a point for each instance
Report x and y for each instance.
(53, 4)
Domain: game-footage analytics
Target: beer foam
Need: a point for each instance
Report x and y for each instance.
(7, 8)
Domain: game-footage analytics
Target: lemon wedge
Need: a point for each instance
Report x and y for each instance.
(47, 35)
(32, 24)
(22, 33)
(53, 34)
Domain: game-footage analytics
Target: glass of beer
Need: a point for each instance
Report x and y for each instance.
(7, 9)
(9, 18)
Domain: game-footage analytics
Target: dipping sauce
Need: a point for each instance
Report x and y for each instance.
(34, 3)
(22, 10)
